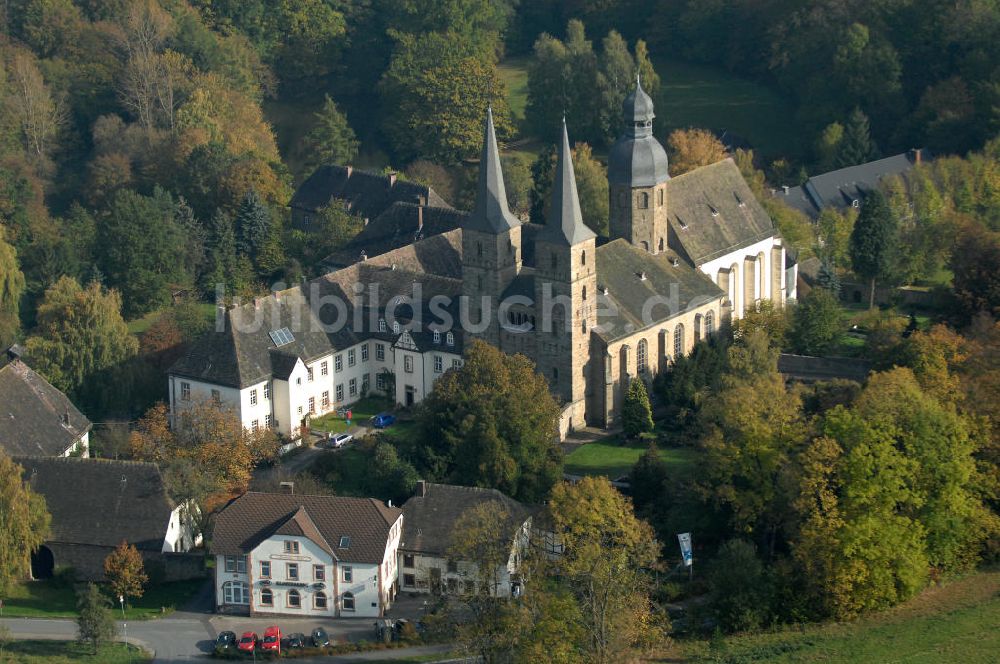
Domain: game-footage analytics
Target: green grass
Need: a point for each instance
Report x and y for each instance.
(361, 411)
(514, 72)
(63, 652)
(140, 325)
(957, 622)
(611, 458)
(54, 598)
(710, 97)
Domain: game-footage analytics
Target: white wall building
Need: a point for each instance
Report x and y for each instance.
(429, 520)
(306, 555)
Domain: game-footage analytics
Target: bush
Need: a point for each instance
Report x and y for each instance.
(740, 592)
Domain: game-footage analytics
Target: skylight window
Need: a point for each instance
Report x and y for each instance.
(345, 541)
(281, 337)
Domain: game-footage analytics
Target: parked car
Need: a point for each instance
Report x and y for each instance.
(248, 642)
(383, 420)
(296, 640)
(320, 638)
(338, 440)
(225, 641)
(272, 639)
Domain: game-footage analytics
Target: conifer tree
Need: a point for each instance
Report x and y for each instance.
(253, 225)
(856, 146)
(331, 141)
(873, 241)
(637, 415)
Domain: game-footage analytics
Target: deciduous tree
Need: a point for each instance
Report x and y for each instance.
(11, 289)
(692, 148)
(815, 323)
(125, 571)
(24, 523)
(95, 624)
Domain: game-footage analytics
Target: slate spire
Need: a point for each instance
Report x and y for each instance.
(491, 214)
(565, 224)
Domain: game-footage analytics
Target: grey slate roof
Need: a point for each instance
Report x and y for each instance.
(565, 223)
(429, 520)
(253, 517)
(35, 417)
(367, 194)
(712, 212)
(399, 225)
(620, 268)
(637, 158)
(840, 188)
(101, 502)
(490, 214)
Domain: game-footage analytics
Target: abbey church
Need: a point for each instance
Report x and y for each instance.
(685, 253)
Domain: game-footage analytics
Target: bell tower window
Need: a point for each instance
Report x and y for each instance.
(643, 201)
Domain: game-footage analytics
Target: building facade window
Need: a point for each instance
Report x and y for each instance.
(236, 564)
(312, 405)
(253, 397)
(185, 391)
(380, 352)
(292, 571)
(438, 364)
(583, 257)
(408, 363)
(709, 324)
(381, 325)
(265, 569)
(456, 363)
(640, 356)
(364, 352)
(294, 599)
(255, 426)
(267, 390)
(309, 374)
(326, 399)
(395, 327)
(235, 592)
(678, 341)
(347, 602)
(348, 574)
(268, 421)
(352, 387)
(324, 368)
(365, 384)
(351, 358)
(408, 560)
(319, 573)
(216, 397)
(291, 546)
(340, 392)
(643, 200)
(449, 339)
(452, 567)
(409, 581)
(338, 362)
(437, 336)
(319, 601)
(266, 597)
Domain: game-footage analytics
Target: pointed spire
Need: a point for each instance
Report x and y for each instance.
(565, 224)
(491, 214)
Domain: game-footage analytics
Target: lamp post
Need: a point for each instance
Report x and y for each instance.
(121, 601)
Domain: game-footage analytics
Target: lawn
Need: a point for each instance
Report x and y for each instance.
(611, 458)
(956, 622)
(140, 325)
(361, 411)
(514, 72)
(55, 598)
(63, 652)
(710, 97)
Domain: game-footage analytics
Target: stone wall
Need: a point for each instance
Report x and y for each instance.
(87, 562)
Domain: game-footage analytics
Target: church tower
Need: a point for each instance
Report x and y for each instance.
(637, 176)
(565, 291)
(491, 241)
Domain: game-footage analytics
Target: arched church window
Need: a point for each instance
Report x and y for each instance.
(659, 201)
(585, 292)
(697, 328)
(709, 324)
(640, 357)
(678, 340)
(583, 257)
(643, 200)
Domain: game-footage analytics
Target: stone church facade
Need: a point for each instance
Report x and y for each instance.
(685, 253)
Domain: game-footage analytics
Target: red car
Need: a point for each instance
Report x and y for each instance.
(272, 639)
(247, 642)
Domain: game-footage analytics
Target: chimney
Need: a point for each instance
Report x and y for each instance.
(422, 488)
(277, 296)
(784, 188)
(65, 417)
(256, 304)
(916, 155)
(420, 218)
(366, 221)
(350, 169)
(421, 200)
(392, 178)
(364, 255)
(642, 276)
(287, 487)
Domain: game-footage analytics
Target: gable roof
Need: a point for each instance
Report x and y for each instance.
(254, 517)
(429, 519)
(712, 212)
(621, 267)
(367, 194)
(35, 417)
(840, 188)
(101, 502)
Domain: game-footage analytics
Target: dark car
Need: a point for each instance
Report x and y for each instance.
(296, 640)
(225, 641)
(383, 420)
(320, 638)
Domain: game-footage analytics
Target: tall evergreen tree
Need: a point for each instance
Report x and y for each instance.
(253, 225)
(856, 145)
(873, 240)
(637, 415)
(331, 140)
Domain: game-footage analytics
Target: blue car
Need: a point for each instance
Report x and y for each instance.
(383, 420)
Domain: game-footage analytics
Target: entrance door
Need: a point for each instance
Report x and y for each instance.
(411, 395)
